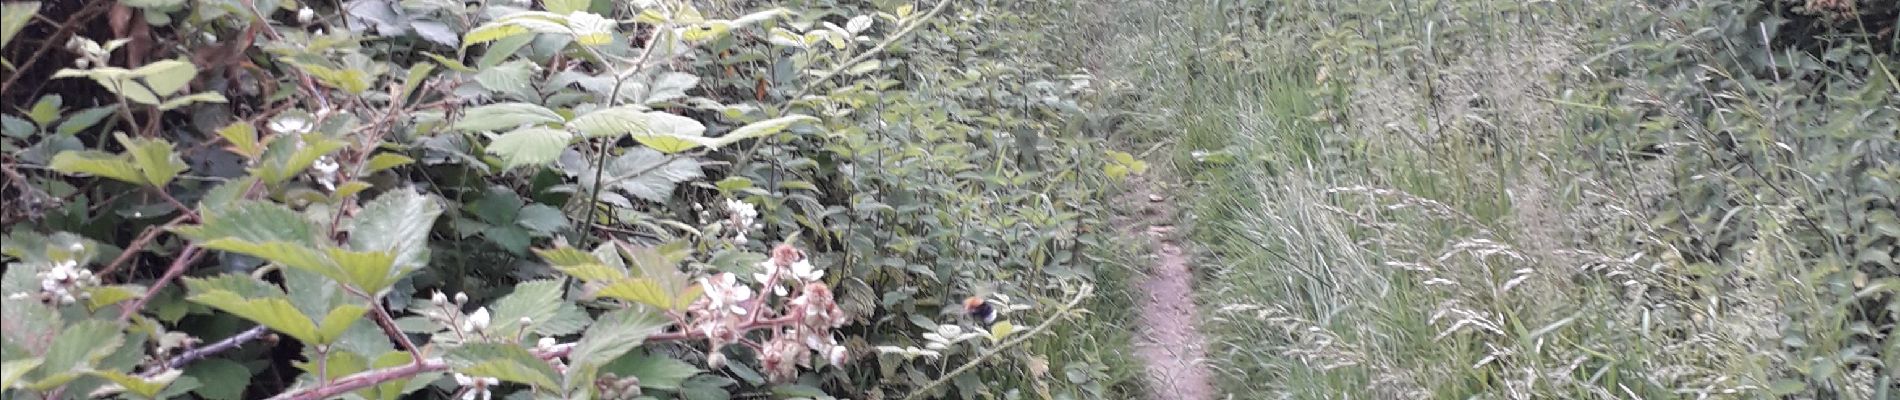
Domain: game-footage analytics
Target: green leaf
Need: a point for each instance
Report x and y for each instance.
(662, 131)
(287, 254)
(250, 221)
(13, 18)
(154, 158)
(644, 291)
(97, 163)
(646, 174)
(1786, 387)
(82, 344)
(566, 256)
(495, 117)
(142, 387)
(201, 97)
(398, 221)
(386, 161)
(370, 271)
(590, 29)
(763, 128)
(274, 312)
(87, 118)
(156, 80)
(1001, 330)
(12, 370)
(413, 80)
(17, 127)
(243, 138)
(46, 109)
(281, 165)
(349, 80)
(534, 299)
(337, 321)
(102, 296)
(529, 146)
(655, 372)
(542, 219)
(508, 362)
(565, 6)
(223, 379)
(592, 272)
(615, 334)
(492, 31)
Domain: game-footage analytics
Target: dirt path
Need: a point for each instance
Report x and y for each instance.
(1168, 341)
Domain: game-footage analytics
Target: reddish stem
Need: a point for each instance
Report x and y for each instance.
(185, 258)
(369, 378)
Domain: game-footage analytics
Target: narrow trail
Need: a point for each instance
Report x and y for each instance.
(1168, 340)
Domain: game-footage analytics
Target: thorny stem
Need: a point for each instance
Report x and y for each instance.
(1060, 314)
(195, 354)
(138, 245)
(389, 327)
(185, 258)
(613, 99)
(353, 382)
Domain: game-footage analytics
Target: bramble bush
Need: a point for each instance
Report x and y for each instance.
(382, 199)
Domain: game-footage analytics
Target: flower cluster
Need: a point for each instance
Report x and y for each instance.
(740, 219)
(800, 327)
(66, 283)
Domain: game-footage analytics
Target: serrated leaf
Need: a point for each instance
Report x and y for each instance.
(223, 379)
(349, 80)
(250, 221)
(615, 334)
(567, 319)
(507, 362)
(274, 312)
(82, 344)
(386, 161)
(639, 290)
(542, 219)
(337, 321)
(371, 271)
(46, 109)
(529, 146)
(536, 300)
(155, 159)
(398, 221)
(287, 254)
(495, 117)
(102, 296)
(97, 163)
(655, 372)
(243, 138)
(566, 256)
(592, 272)
(644, 173)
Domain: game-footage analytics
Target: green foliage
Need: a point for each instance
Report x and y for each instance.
(1625, 199)
(360, 177)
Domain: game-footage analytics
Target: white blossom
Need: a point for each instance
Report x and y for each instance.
(725, 292)
(477, 321)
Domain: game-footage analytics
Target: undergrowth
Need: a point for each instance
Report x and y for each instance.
(1500, 199)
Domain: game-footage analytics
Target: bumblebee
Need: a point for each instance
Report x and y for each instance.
(979, 309)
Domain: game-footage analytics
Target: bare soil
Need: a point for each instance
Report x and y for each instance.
(1168, 340)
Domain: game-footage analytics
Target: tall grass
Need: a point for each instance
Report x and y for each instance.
(1500, 199)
